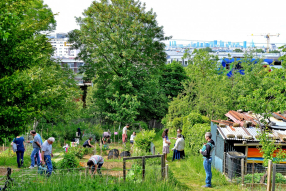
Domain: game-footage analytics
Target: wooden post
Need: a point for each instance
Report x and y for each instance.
(114, 135)
(273, 177)
(3, 146)
(245, 165)
(224, 162)
(163, 166)
(143, 168)
(269, 175)
(124, 169)
(242, 172)
(252, 174)
(167, 169)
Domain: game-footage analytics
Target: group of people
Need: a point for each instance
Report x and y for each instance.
(180, 154)
(124, 135)
(178, 150)
(41, 151)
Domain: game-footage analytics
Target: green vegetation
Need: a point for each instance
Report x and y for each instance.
(130, 78)
(66, 181)
(32, 84)
(279, 178)
(237, 50)
(144, 139)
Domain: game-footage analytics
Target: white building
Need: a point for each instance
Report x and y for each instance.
(62, 48)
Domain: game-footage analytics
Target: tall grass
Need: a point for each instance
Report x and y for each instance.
(78, 181)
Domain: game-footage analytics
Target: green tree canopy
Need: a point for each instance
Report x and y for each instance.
(32, 85)
(122, 45)
(172, 77)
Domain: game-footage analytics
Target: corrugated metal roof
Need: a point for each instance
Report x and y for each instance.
(251, 131)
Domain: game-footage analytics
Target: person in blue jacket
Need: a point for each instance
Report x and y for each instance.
(20, 142)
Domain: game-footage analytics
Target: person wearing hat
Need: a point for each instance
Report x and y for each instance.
(206, 152)
(95, 163)
(124, 134)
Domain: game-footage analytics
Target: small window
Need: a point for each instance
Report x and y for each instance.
(186, 62)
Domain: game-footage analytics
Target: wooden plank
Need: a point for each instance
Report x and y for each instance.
(131, 158)
(242, 172)
(246, 154)
(269, 175)
(167, 169)
(273, 177)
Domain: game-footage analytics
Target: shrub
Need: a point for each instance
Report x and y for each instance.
(190, 120)
(77, 151)
(144, 139)
(177, 123)
(69, 161)
(195, 137)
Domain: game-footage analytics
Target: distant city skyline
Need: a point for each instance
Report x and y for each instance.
(198, 20)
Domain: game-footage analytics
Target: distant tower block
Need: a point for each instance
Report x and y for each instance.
(244, 44)
(215, 43)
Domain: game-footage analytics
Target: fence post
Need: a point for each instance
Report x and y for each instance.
(273, 177)
(3, 147)
(242, 172)
(143, 168)
(124, 169)
(224, 162)
(163, 166)
(167, 169)
(269, 175)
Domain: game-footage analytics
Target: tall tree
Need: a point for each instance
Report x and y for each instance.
(172, 77)
(122, 44)
(32, 84)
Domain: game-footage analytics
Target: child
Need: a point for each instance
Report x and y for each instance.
(132, 138)
(166, 143)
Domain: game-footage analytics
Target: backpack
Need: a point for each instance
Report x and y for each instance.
(14, 146)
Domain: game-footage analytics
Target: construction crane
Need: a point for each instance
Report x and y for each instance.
(267, 36)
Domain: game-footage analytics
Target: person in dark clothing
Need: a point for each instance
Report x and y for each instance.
(79, 132)
(20, 142)
(87, 143)
(206, 152)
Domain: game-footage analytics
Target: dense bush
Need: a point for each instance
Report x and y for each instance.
(69, 161)
(144, 139)
(195, 136)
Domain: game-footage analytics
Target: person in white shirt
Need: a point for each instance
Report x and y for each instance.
(132, 138)
(179, 148)
(124, 134)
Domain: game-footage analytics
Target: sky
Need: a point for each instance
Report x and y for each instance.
(203, 20)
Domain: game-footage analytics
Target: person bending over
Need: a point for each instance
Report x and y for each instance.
(87, 143)
(95, 163)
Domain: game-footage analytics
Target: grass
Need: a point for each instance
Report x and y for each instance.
(66, 182)
(190, 172)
